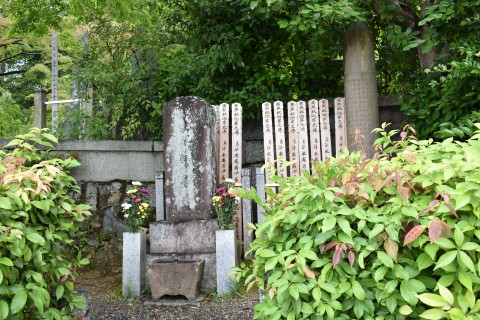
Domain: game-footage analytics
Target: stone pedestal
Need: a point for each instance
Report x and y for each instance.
(186, 241)
(175, 277)
(226, 252)
(134, 256)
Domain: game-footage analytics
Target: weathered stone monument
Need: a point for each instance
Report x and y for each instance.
(360, 89)
(187, 235)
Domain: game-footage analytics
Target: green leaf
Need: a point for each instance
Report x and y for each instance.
(66, 206)
(458, 236)
(271, 263)
(329, 223)
(446, 294)
(358, 291)
(283, 24)
(405, 310)
(465, 279)
(6, 262)
(391, 303)
(293, 290)
(444, 243)
(433, 314)
(380, 273)
(385, 259)
(433, 300)
(59, 291)
(424, 261)
(390, 286)
(5, 203)
(266, 253)
(345, 226)
(375, 231)
(445, 259)
(3, 309)
(408, 293)
(307, 308)
(18, 302)
(462, 200)
(35, 238)
(308, 254)
(467, 261)
(317, 294)
(37, 300)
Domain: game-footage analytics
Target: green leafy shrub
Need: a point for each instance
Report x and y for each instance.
(37, 224)
(385, 238)
(462, 129)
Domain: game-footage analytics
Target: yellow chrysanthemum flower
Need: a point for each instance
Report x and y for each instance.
(132, 191)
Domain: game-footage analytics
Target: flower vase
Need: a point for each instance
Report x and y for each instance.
(133, 267)
(226, 256)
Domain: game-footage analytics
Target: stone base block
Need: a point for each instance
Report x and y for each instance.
(196, 236)
(175, 278)
(209, 278)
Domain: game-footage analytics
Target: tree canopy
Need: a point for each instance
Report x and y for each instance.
(139, 54)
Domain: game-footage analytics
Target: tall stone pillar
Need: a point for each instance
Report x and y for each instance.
(40, 110)
(361, 97)
(189, 159)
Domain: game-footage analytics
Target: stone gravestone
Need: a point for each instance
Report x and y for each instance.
(360, 89)
(188, 233)
(189, 159)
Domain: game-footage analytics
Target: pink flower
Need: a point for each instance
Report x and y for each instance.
(133, 197)
(221, 190)
(138, 200)
(145, 191)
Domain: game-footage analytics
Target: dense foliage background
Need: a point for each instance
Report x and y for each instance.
(137, 55)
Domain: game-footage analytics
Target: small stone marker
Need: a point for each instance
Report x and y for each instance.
(360, 89)
(133, 271)
(189, 159)
(226, 259)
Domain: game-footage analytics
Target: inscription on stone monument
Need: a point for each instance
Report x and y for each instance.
(315, 146)
(280, 137)
(267, 135)
(325, 129)
(303, 136)
(293, 138)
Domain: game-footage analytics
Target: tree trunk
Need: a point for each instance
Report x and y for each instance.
(427, 59)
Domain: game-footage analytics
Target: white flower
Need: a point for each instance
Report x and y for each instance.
(136, 183)
(126, 206)
(126, 215)
(229, 180)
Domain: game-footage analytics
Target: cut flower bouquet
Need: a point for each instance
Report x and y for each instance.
(226, 204)
(135, 208)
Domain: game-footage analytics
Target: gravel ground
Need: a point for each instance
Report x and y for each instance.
(104, 301)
